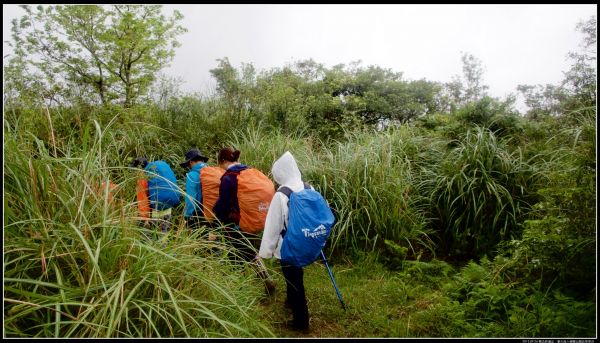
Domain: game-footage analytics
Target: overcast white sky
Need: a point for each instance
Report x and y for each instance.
(517, 44)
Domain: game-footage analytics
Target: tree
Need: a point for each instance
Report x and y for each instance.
(306, 93)
(21, 87)
(451, 96)
(165, 89)
(142, 42)
(580, 79)
(234, 87)
(470, 88)
(111, 52)
(310, 70)
(473, 75)
(578, 88)
(542, 100)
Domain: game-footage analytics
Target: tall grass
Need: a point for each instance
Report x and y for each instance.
(367, 179)
(77, 265)
(478, 194)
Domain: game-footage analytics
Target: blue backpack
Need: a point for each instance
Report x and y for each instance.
(162, 188)
(309, 224)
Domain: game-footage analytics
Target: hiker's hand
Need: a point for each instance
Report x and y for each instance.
(212, 236)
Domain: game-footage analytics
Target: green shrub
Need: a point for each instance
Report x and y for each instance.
(559, 238)
(495, 306)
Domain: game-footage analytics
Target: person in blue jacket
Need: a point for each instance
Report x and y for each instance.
(194, 161)
(156, 192)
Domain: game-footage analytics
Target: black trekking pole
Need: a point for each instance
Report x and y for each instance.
(333, 281)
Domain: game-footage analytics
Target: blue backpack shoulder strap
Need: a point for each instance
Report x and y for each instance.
(288, 192)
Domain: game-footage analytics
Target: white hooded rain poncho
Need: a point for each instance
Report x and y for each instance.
(286, 173)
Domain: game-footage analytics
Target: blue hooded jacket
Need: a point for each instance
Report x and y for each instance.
(193, 190)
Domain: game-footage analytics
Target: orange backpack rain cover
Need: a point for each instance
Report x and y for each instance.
(255, 191)
(210, 178)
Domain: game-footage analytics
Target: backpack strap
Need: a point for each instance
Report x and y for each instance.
(285, 190)
(230, 172)
(234, 172)
(288, 192)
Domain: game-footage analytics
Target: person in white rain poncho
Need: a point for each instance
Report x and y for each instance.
(286, 173)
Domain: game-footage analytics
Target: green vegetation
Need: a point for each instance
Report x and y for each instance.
(456, 215)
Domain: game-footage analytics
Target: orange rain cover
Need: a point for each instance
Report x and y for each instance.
(111, 188)
(255, 191)
(210, 178)
(143, 202)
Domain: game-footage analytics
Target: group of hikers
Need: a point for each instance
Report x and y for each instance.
(294, 220)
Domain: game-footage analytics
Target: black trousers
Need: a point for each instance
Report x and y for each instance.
(245, 243)
(294, 280)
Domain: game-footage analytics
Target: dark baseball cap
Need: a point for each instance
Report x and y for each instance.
(193, 155)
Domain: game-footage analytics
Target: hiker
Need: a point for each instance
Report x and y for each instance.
(202, 189)
(242, 227)
(194, 161)
(156, 193)
(278, 225)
